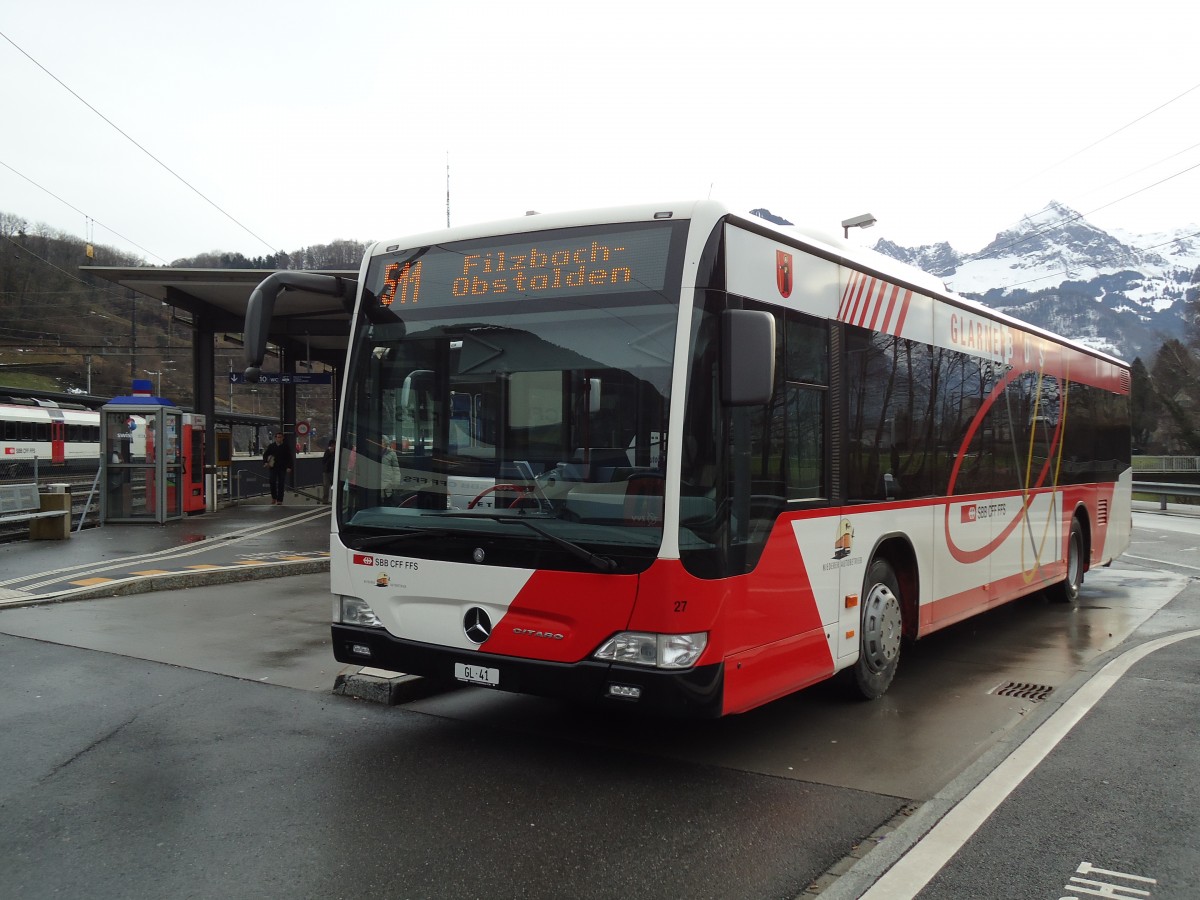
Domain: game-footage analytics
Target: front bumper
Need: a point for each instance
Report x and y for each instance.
(690, 693)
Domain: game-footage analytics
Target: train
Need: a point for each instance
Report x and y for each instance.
(56, 433)
(48, 431)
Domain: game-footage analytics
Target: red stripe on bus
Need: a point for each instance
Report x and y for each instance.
(956, 607)
(903, 314)
(877, 288)
(877, 307)
(891, 307)
(859, 282)
(866, 285)
(844, 306)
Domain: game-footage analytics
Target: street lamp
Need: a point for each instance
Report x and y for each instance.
(159, 374)
(866, 220)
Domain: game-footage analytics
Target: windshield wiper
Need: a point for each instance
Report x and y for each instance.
(369, 540)
(603, 563)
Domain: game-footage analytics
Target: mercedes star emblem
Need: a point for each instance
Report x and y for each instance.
(477, 625)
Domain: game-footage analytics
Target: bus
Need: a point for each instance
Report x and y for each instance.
(680, 459)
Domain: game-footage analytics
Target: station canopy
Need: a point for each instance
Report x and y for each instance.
(305, 324)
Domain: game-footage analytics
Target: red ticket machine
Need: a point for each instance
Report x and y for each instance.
(193, 464)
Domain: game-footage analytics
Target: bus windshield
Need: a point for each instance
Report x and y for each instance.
(510, 396)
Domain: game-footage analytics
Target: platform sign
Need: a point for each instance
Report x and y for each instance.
(284, 378)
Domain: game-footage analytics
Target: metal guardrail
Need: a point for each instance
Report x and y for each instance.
(1166, 491)
(260, 481)
(1156, 464)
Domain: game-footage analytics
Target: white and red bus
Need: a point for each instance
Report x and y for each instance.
(680, 458)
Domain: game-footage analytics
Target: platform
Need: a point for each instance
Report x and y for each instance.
(238, 543)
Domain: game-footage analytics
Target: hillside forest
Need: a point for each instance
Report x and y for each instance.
(63, 329)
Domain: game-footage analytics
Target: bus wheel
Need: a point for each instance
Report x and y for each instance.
(1067, 591)
(880, 631)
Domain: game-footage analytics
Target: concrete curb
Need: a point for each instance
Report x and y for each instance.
(142, 584)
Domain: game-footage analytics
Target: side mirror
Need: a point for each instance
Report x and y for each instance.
(747, 357)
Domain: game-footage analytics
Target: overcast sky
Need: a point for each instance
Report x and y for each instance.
(306, 122)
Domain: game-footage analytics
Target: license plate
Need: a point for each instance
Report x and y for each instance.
(477, 674)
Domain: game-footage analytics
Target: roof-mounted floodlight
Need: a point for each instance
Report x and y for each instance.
(866, 220)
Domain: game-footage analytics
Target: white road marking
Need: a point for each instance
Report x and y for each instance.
(1160, 562)
(176, 552)
(927, 857)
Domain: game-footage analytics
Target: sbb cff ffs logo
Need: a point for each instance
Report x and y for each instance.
(973, 512)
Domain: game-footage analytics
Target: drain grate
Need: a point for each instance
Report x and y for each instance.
(1024, 690)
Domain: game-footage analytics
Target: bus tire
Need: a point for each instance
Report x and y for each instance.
(1067, 590)
(880, 630)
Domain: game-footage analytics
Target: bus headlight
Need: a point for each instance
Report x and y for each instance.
(680, 651)
(663, 651)
(357, 612)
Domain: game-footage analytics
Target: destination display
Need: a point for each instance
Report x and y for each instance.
(546, 264)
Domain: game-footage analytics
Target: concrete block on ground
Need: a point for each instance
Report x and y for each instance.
(388, 688)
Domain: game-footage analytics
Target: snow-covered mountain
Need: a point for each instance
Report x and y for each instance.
(1119, 292)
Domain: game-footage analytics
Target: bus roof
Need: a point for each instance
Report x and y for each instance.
(821, 243)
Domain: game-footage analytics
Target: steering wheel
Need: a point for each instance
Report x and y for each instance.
(522, 488)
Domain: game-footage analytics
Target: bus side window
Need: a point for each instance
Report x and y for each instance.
(788, 436)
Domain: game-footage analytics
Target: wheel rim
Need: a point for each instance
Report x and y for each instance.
(881, 628)
(1074, 553)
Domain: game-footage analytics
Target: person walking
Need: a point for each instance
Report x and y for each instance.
(279, 460)
(390, 481)
(327, 473)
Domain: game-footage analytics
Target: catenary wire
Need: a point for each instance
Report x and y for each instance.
(1040, 231)
(182, 180)
(1111, 134)
(61, 270)
(81, 212)
(1105, 138)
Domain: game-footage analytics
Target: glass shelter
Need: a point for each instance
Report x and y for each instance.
(141, 460)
